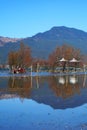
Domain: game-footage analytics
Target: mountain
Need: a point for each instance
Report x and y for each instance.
(42, 44)
(4, 40)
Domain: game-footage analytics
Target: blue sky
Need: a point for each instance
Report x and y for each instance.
(25, 18)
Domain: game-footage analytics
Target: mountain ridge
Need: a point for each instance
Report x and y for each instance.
(42, 44)
(55, 28)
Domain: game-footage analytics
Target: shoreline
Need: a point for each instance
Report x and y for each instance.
(35, 74)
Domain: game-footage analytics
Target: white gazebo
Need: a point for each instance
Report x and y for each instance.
(64, 61)
(74, 61)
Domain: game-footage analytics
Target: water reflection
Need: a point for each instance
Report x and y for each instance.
(20, 86)
(68, 79)
(66, 86)
(73, 80)
(55, 91)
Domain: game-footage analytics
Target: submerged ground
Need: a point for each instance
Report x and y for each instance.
(56, 102)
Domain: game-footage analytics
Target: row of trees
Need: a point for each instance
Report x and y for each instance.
(65, 51)
(23, 58)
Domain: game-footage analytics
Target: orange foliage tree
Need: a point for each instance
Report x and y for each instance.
(20, 58)
(64, 51)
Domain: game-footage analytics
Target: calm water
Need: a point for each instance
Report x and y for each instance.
(43, 103)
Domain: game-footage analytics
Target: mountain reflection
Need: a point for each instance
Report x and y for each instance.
(56, 91)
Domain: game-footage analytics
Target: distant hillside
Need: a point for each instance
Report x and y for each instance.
(42, 44)
(4, 40)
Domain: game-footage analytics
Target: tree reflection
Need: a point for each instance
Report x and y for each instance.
(62, 86)
(20, 86)
(65, 86)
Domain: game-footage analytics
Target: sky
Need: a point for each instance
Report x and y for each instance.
(25, 18)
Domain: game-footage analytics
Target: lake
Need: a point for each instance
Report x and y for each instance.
(43, 102)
